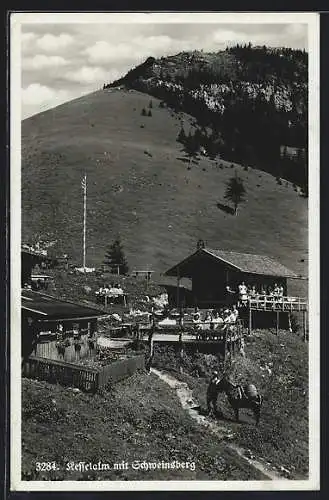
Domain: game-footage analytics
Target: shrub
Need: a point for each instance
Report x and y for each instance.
(279, 181)
(43, 410)
(181, 135)
(295, 326)
(161, 104)
(143, 113)
(163, 420)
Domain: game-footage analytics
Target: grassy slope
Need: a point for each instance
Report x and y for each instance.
(159, 207)
(282, 435)
(141, 419)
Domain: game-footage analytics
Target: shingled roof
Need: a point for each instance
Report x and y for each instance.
(244, 262)
(50, 308)
(252, 263)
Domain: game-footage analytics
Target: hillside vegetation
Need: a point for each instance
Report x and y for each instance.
(278, 366)
(141, 185)
(139, 419)
(253, 98)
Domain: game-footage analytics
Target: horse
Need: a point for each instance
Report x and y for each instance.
(238, 396)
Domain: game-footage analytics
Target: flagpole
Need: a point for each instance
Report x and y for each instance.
(84, 220)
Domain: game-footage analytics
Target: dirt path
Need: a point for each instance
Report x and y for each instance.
(221, 430)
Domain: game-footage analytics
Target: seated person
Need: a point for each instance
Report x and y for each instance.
(262, 296)
(253, 292)
(227, 316)
(196, 318)
(217, 320)
(234, 314)
(208, 319)
(276, 290)
(270, 293)
(119, 290)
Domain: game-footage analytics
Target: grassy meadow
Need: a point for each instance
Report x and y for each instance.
(141, 186)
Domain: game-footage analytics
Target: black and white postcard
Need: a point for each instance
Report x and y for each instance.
(164, 202)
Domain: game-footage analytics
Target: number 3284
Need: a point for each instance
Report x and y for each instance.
(46, 466)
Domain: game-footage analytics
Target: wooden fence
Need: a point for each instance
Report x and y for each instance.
(62, 373)
(85, 378)
(119, 370)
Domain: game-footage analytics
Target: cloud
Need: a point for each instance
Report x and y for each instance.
(134, 50)
(68, 60)
(264, 35)
(52, 43)
(87, 75)
(36, 98)
(28, 37)
(41, 61)
(27, 40)
(40, 94)
(103, 52)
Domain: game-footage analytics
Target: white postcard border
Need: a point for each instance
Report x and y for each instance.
(19, 18)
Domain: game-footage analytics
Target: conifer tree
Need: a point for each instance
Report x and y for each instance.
(235, 192)
(115, 258)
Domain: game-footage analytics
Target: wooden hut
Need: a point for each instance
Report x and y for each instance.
(43, 315)
(216, 274)
(30, 259)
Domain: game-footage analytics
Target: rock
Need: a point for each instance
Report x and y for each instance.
(285, 471)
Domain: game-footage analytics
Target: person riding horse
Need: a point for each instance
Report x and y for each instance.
(238, 396)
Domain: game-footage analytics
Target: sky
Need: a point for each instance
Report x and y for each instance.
(62, 61)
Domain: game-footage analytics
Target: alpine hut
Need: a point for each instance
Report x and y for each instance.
(216, 274)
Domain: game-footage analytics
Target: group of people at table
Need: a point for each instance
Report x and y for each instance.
(216, 319)
(110, 290)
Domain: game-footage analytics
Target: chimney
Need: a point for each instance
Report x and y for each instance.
(200, 244)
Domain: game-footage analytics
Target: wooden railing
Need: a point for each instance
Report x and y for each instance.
(62, 373)
(190, 330)
(271, 303)
(85, 378)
